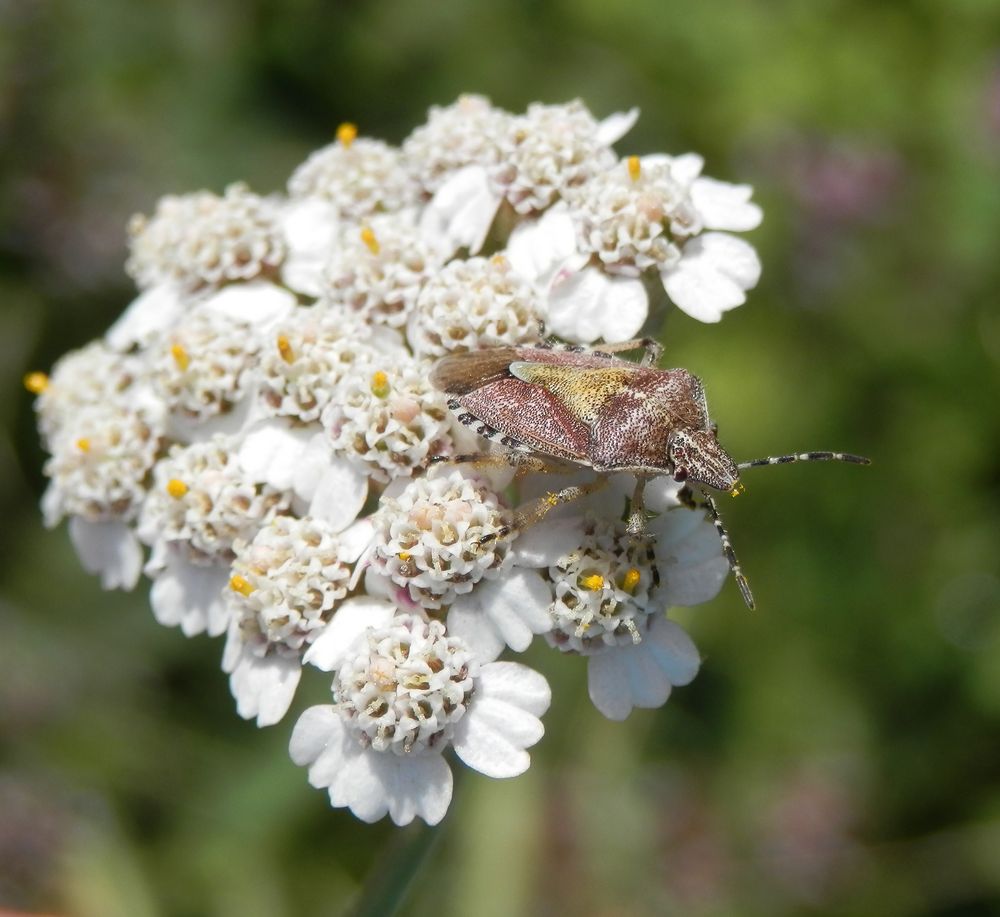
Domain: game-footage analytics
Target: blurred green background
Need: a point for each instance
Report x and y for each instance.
(840, 751)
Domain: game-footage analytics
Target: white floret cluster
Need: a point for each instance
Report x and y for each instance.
(258, 435)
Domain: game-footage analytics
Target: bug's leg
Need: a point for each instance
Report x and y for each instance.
(636, 523)
(522, 461)
(727, 549)
(535, 510)
(806, 457)
(651, 350)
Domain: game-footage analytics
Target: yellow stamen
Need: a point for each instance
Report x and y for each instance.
(347, 133)
(634, 168)
(176, 488)
(499, 260)
(593, 582)
(240, 585)
(631, 580)
(552, 499)
(36, 383)
(380, 384)
(368, 237)
(180, 356)
(738, 488)
(285, 349)
(403, 556)
(83, 444)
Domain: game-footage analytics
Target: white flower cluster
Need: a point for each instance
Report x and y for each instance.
(255, 435)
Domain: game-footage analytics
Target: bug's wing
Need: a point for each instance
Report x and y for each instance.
(530, 416)
(461, 373)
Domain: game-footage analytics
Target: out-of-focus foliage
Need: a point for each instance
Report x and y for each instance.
(840, 751)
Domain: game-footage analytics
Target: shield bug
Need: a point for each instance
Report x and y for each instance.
(588, 407)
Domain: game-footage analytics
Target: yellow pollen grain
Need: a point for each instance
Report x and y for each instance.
(634, 168)
(347, 133)
(176, 488)
(368, 237)
(36, 382)
(631, 580)
(83, 444)
(593, 582)
(380, 384)
(240, 585)
(285, 349)
(738, 488)
(180, 356)
(552, 499)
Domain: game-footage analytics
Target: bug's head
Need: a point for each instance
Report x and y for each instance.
(698, 457)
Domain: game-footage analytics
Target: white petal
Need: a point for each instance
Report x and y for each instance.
(685, 168)
(476, 630)
(340, 493)
(674, 650)
(515, 684)
(313, 732)
(111, 549)
(725, 206)
(608, 684)
(589, 304)
(271, 452)
(417, 785)
(310, 228)
(264, 687)
(349, 622)
(616, 126)
(190, 596)
(149, 315)
(516, 607)
(461, 212)
(188, 429)
(712, 276)
(542, 544)
(355, 539)
(537, 248)
(642, 675)
(502, 720)
(689, 557)
(259, 303)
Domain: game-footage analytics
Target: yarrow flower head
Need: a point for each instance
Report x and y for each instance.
(404, 692)
(199, 240)
(283, 588)
(263, 432)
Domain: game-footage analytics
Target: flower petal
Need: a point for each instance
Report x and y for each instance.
(461, 212)
(349, 622)
(537, 248)
(502, 720)
(150, 314)
(310, 228)
(108, 548)
(317, 728)
(259, 303)
(725, 206)
(589, 304)
(689, 557)
(264, 686)
(712, 276)
(616, 126)
(190, 596)
(674, 650)
(476, 630)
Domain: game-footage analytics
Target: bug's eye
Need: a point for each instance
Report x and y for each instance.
(680, 474)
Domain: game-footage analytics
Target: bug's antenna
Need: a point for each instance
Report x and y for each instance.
(727, 549)
(806, 457)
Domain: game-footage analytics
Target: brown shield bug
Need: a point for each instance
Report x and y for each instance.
(588, 407)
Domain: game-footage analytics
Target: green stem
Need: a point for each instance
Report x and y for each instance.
(389, 881)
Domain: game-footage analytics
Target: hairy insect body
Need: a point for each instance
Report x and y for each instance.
(590, 408)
